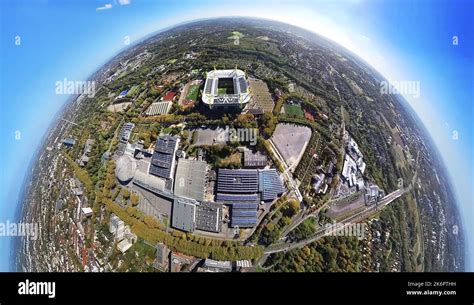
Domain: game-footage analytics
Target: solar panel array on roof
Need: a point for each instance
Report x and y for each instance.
(245, 205)
(243, 213)
(242, 188)
(163, 157)
(125, 132)
(237, 181)
(270, 184)
(244, 221)
(166, 144)
(237, 197)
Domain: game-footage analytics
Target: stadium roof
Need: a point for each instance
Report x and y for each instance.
(190, 179)
(270, 184)
(240, 91)
(184, 214)
(237, 181)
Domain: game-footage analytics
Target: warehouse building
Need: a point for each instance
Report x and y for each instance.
(237, 181)
(184, 214)
(239, 189)
(163, 158)
(190, 179)
(211, 265)
(254, 160)
(209, 217)
(243, 189)
(270, 185)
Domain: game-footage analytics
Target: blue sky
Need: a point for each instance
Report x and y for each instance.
(71, 39)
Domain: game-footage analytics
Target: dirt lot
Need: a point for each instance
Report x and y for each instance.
(291, 141)
(208, 136)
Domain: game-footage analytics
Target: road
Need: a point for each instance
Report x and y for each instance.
(368, 211)
(287, 176)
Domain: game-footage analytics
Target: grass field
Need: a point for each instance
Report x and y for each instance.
(221, 90)
(236, 35)
(193, 92)
(132, 92)
(294, 110)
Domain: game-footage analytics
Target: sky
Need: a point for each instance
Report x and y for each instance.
(404, 41)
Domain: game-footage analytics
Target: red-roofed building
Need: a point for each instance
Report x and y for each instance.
(169, 96)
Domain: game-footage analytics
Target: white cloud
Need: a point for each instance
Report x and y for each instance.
(124, 2)
(105, 7)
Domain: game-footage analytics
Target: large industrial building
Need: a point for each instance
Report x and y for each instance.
(209, 216)
(184, 214)
(254, 159)
(239, 181)
(163, 159)
(270, 185)
(226, 88)
(190, 179)
(189, 215)
(124, 136)
(243, 189)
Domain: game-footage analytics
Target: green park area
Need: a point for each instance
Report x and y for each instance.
(294, 110)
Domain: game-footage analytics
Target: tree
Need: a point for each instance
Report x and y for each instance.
(125, 194)
(135, 199)
(292, 207)
(269, 122)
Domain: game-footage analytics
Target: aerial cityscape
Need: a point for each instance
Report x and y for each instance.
(236, 144)
(201, 154)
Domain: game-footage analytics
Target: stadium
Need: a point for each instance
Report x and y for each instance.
(226, 88)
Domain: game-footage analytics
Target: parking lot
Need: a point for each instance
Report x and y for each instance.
(291, 141)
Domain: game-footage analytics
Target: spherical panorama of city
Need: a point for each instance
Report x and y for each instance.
(239, 144)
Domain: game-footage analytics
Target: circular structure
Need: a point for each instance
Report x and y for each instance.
(125, 169)
(226, 88)
(320, 109)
